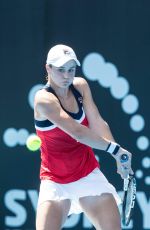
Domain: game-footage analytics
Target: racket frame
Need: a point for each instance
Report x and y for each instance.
(127, 181)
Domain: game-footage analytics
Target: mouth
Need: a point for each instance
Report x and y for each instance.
(66, 82)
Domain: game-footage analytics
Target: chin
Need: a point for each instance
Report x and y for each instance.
(67, 84)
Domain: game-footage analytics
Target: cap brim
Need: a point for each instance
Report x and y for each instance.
(63, 60)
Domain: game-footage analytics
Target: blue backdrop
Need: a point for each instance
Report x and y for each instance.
(112, 41)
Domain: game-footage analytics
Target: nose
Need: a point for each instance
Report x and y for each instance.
(66, 75)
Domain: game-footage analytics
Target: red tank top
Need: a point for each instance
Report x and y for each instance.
(63, 159)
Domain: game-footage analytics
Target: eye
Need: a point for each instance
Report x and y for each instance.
(61, 70)
(71, 70)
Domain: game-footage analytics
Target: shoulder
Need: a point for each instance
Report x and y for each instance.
(44, 103)
(80, 84)
(43, 96)
(44, 99)
(79, 81)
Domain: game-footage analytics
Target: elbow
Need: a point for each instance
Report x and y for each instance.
(106, 124)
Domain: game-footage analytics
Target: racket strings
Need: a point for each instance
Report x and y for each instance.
(129, 199)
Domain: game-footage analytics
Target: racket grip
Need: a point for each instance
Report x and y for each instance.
(124, 158)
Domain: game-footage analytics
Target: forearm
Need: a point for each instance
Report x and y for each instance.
(88, 137)
(102, 129)
(85, 136)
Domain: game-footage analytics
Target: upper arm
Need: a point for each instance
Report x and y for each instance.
(48, 106)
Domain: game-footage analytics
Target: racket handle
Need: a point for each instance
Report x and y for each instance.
(124, 158)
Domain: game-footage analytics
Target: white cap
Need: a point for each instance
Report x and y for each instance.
(60, 54)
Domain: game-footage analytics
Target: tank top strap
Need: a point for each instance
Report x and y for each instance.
(75, 92)
(77, 95)
(49, 89)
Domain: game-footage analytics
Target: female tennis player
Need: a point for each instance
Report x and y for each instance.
(70, 125)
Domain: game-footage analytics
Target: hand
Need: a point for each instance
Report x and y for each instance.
(124, 168)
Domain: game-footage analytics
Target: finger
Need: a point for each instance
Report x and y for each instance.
(124, 175)
(119, 171)
(125, 171)
(131, 172)
(122, 172)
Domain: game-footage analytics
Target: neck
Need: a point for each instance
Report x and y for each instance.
(61, 92)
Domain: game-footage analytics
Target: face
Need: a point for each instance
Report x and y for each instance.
(63, 76)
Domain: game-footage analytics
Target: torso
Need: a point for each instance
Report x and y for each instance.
(64, 159)
(69, 102)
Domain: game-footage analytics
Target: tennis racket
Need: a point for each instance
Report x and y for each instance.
(129, 196)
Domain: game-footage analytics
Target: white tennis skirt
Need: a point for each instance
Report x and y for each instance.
(94, 184)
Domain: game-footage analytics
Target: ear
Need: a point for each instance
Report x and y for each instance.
(48, 68)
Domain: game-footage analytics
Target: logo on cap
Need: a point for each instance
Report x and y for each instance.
(66, 52)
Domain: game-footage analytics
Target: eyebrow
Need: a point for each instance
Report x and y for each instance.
(62, 67)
